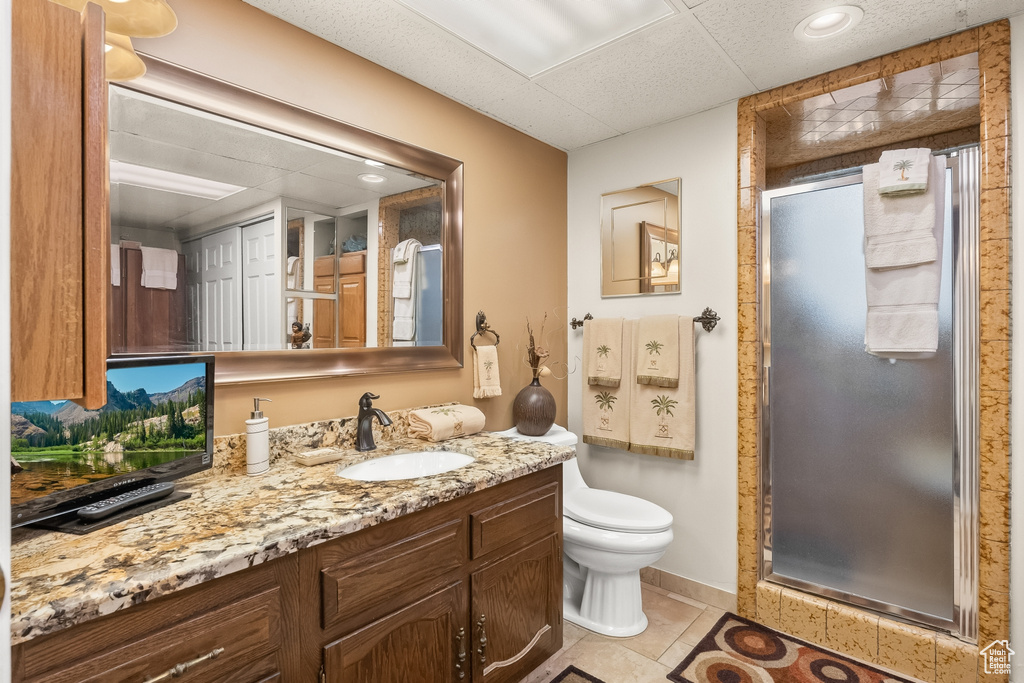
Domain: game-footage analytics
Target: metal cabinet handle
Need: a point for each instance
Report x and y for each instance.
(482, 650)
(460, 638)
(179, 670)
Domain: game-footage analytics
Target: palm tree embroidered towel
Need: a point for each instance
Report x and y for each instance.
(445, 422)
(602, 343)
(899, 231)
(663, 419)
(657, 351)
(486, 383)
(605, 407)
(903, 171)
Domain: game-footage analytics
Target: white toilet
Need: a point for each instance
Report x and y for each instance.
(608, 538)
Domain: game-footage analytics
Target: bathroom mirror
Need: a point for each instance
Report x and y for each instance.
(640, 240)
(285, 225)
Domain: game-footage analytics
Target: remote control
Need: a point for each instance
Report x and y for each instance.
(105, 508)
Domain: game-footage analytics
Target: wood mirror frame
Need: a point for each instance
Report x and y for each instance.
(198, 91)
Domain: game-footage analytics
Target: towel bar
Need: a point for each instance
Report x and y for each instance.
(483, 327)
(708, 319)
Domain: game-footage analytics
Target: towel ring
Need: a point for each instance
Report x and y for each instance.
(483, 327)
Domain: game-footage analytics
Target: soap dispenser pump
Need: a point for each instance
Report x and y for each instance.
(257, 441)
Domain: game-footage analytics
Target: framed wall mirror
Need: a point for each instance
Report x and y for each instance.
(640, 240)
(290, 244)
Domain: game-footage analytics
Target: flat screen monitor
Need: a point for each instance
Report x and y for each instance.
(156, 426)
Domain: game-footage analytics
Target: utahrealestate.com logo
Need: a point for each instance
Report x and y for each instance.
(997, 657)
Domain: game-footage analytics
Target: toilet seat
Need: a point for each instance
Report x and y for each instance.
(615, 511)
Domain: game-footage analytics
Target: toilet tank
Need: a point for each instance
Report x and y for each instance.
(559, 436)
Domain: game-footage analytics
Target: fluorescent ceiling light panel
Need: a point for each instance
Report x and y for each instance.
(532, 36)
(167, 181)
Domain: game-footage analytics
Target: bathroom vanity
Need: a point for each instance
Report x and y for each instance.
(300, 575)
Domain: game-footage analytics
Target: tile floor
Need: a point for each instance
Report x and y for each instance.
(676, 624)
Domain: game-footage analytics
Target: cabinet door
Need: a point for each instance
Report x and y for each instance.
(352, 310)
(59, 217)
(422, 643)
(517, 612)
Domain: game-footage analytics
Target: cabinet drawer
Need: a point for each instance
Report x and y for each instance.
(245, 636)
(500, 524)
(370, 582)
(351, 263)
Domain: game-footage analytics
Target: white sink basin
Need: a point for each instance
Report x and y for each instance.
(406, 466)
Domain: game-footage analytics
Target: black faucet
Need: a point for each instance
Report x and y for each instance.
(364, 423)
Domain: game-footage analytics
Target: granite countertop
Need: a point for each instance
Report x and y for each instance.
(233, 521)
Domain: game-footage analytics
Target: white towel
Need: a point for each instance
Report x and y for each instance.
(159, 268)
(903, 303)
(904, 171)
(898, 231)
(404, 271)
(115, 265)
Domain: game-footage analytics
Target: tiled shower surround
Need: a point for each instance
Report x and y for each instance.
(920, 652)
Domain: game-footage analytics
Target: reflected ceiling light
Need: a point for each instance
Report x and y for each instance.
(371, 162)
(121, 62)
(135, 18)
(371, 178)
(828, 22)
(124, 173)
(532, 36)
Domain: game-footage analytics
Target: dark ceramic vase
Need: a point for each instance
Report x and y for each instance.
(533, 411)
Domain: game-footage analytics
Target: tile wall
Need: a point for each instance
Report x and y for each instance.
(920, 652)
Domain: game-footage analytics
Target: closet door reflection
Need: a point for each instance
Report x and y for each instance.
(860, 492)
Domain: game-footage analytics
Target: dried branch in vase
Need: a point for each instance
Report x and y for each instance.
(535, 353)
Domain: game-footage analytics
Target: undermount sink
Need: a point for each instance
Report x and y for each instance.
(406, 466)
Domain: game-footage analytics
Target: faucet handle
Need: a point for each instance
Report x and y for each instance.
(366, 401)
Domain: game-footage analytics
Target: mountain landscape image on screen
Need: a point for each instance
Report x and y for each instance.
(61, 445)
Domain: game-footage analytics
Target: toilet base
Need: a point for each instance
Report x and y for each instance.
(571, 612)
(609, 604)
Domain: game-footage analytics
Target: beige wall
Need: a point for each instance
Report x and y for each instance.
(514, 248)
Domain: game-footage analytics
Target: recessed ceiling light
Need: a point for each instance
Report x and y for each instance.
(371, 178)
(828, 22)
(124, 173)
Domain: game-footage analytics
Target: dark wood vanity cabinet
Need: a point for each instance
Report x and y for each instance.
(466, 591)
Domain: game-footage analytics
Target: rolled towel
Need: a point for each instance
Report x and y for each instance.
(602, 342)
(657, 351)
(486, 383)
(445, 422)
(903, 171)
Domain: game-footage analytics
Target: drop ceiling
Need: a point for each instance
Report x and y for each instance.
(705, 53)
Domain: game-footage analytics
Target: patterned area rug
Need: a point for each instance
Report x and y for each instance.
(740, 651)
(574, 675)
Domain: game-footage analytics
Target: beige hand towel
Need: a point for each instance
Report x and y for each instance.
(657, 352)
(445, 422)
(602, 343)
(663, 419)
(606, 408)
(904, 171)
(899, 231)
(485, 372)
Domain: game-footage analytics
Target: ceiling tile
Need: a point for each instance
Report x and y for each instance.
(664, 72)
(536, 112)
(763, 46)
(400, 40)
(984, 11)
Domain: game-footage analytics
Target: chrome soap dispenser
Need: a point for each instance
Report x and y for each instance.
(257, 441)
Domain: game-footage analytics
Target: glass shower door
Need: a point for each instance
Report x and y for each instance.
(861, 476)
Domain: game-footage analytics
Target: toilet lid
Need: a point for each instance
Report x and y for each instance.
(615, 511)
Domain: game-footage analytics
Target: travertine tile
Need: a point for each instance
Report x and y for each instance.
(995, 465)
(746, 206)
(682, 588)
(801, 90)
(993, 616)
(746, 604)
(804, 616)
(676, 653)
(747, 437)
(748, 477)
(955, 660)
(747, 363)
(995, 515)
(995, 162)
(667, 619)
(651, 576)
(994, 565)
(855, 74)
(911, 58)
(760, 153)
(747, 400)
(991, 678)
(995, 263)
(852, 631)
(748, 276)
(746, 238)
(746, 132)
(958, 44)
(701, 625)
(995, 315)
(995, 366)
(769, 604)
(697, 603)
(994, 46)
(906, 649)
(608, 661)
(995, 416)
(995, 217)
(747, 323)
